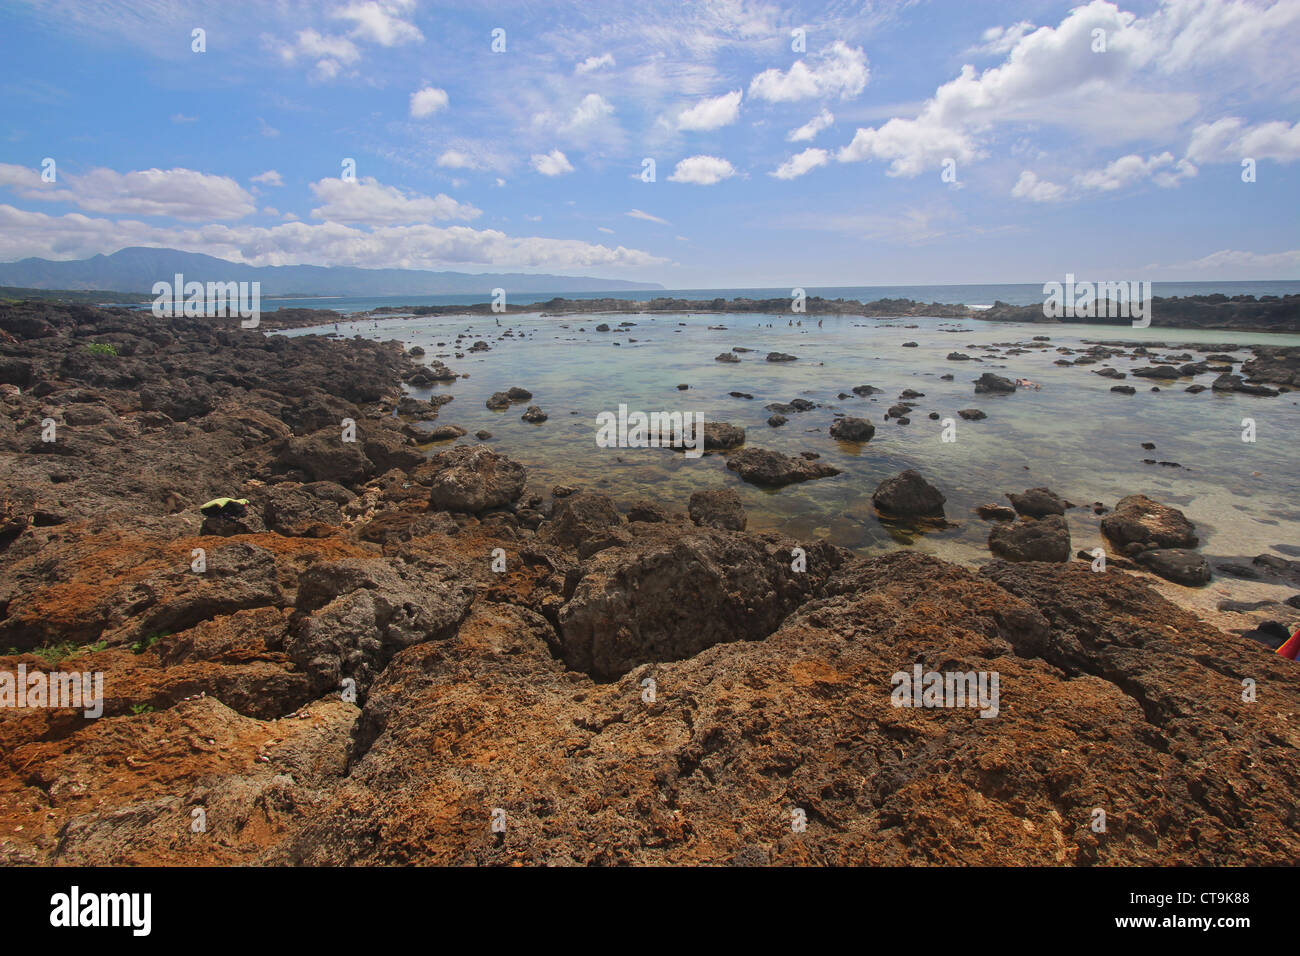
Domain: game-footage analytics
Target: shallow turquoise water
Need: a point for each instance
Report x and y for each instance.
(1075, 436)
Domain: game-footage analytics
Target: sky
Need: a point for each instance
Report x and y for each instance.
(706, 144)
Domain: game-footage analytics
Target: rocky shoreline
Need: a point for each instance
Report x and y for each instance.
(1240, 313)
(390, 646)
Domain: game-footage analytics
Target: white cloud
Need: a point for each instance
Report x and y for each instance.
(266, 129)
(910, 146)
(1030, 187)
(270, 211)
(182, 118)
(841, 69)
(455, 159)
(1230, 140)
(1051, 76)
(638, 214)
(1229, 264)
(268, 178)
(370, 203)
(702, 170)
(711, 113)
(331, 53)
(1162, 170)
(801, 163)
(593, 109)
(421, 246)
(605, 229)
(427, 101)
(810, 129)
(554, 163)
(1002, 40)
(179, 193)
(593, 63)
(379, 23)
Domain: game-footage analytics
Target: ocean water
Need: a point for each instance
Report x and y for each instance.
(1074, 435)
(982, 294)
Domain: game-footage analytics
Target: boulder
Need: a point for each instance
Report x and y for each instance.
(293, 510)
(1040, 539)
(852, 429)
(587, 521)
(718, 508)
(472, 479)
(1180, 565)
(762, 466)
(908, 495)
(988, 383)
(1039, 503)
(1139, 520)
(324, 456)
(673, 593)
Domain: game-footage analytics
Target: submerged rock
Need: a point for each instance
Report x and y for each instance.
(1180, 565)
(1138, 519)
(908, 495)
(762, 466)
(994, 384)
(1032, 539)
(852, 429)
(1039, 503)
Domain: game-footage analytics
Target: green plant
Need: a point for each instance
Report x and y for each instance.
(139, 647)
(56, 653)
(101, 348)
(139, 709)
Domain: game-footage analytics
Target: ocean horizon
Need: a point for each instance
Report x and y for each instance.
(978, 294)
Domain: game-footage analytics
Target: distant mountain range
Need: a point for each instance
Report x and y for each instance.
(137, 268)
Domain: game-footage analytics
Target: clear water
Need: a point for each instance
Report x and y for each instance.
(1074, 435)
(980, 294)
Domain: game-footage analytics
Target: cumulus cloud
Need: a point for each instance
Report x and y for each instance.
(910, 146)
(1030, 187)
(554, 163)
(711, 113)
(179, 193)
(593, 109)
(369, 202)
(381, 23)
(1002, 40)
(702, 170)
(331, 53)
(638, 214)
(1230, 140)
(455, 159)
(420, 246)
(427, 101)
(801, 163)
(840, 69)
(378, 22)
(593, 63)
(810, 129)
(1051, 75)
(268, 178)
(1161, 169)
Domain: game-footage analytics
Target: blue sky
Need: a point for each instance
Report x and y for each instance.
(774, 165)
